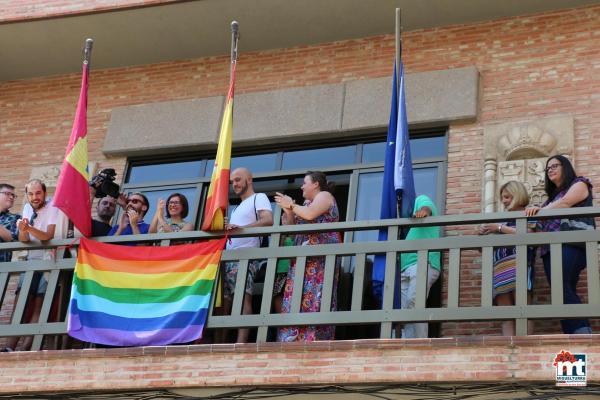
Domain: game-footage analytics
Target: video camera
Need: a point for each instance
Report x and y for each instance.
(104, 183)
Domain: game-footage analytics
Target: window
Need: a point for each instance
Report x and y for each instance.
(355, 166)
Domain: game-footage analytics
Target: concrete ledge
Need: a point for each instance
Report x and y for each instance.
(163, 127)
(434, 98)
(373, 361)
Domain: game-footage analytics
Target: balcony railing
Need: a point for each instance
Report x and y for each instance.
(264, 318)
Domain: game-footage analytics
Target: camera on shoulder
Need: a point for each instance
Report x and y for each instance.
(104, 183)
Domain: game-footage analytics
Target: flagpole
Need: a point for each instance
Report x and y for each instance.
(398, 64)
(87, 51)
(398, 45)
(235, 35)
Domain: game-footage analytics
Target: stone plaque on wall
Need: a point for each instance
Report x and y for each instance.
(518, 151)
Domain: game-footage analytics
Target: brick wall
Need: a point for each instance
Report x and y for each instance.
(461, 360)
(531, 66)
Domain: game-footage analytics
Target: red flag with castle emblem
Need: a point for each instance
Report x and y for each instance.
(72, 194)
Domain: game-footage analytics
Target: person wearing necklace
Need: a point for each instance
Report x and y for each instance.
(175, 209)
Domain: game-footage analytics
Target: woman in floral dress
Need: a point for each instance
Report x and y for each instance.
(319, 207)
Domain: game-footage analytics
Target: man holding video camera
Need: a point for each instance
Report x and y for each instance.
(102, 187)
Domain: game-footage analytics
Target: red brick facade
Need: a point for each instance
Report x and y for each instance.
(400, 362)
(530, 66)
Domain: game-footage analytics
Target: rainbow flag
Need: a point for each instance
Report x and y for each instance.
(72, 194)
(218, 191)
(143, 295)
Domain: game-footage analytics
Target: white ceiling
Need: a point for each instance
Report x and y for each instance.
(192, 29)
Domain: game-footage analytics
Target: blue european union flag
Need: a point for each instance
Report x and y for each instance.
(398, 180)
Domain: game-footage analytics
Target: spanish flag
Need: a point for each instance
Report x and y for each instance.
(142, 295)
(72, 194)
(218, 191)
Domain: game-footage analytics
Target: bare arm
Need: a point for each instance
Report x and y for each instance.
(25, 230)
(288, 217)
(158, 218)
(134, 217)
(576, 194)
(322, 202)
(5, 234)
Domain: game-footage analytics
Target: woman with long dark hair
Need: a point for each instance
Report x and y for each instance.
(319, 207)
(565, 190)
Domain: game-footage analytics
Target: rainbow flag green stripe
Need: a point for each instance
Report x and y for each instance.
(134, 302)
(138, 296)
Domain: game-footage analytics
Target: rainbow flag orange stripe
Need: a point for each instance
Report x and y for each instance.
(218, 191)
(72, 194)
(142, 296)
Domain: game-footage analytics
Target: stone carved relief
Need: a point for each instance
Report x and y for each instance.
(49, 174)
(530, 172)
(518, 151)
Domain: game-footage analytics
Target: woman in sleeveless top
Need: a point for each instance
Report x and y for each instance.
(319, 207)
(175, 209)
(565, 189)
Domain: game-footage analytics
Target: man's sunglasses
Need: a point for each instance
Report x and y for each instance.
(136, 201)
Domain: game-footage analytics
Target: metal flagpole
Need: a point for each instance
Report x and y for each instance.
(402, 231)
(398, 45)
(87, 51)
(235, 35)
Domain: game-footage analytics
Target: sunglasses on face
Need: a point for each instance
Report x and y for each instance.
(135, 201)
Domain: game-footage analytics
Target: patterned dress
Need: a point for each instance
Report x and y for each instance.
(505, 266)
(313, 282)
(175, 226)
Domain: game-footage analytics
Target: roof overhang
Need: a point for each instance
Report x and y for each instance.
(193, 29)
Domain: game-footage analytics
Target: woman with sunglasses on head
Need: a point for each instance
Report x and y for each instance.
(175, 210)
(565, 190)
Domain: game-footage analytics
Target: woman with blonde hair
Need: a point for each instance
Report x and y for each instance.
(514, 197)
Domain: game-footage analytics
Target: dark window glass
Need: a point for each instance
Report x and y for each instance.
(256, 163)
(419, 148)
(426, 182)
(368, 201)
(428, 147)
(373, 152)
(210, 164)
(154, 195)
(319, 158)
(165, 172)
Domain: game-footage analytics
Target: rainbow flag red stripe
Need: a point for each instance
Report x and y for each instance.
(72, 194)
(143, 295)
(218, 191)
